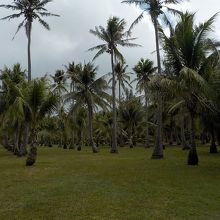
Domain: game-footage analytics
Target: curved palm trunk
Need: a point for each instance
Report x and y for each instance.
(158, 150)
(114, 148)
(29, 50)
(94, 148)
(32, 155)
(193, 157)
(213, 147)
(146, 121)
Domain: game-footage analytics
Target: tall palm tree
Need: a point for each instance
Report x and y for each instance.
(89, 92)
(193, 59)
(30, 10)
(113, 35)
(155, 8)
(144, 70)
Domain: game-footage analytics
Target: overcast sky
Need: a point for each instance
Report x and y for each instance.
(69, 37)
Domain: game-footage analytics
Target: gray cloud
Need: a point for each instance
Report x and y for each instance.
(69, 37)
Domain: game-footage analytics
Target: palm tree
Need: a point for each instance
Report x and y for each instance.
(130, 117)
(30, 10)
(122, 77)
(193, 59)
(70, 72)
(155, 9)
(113, 35)
(144, 70)
(89, 92)
(40, 102)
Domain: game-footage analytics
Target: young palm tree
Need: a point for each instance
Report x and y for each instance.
(40, 102)
(30, 10)
(113, 35)
(144, 70)
(89, 92)
(131, 116)
(154, 8)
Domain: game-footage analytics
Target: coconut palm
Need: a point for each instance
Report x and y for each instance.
(155, 8)
(70, 72)
(40, 102)
(30, 10)
(123, 78)
(113, 35)
(193, 60)
(131, 117)
(16, 74)
(89, 92)
(144, 70)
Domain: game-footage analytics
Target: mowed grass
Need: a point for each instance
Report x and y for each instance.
(67, 184)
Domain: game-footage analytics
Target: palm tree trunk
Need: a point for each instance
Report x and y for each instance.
(29, 49)
(213, 147)
(193, 157)
(146, 120)
(119, 91)
(90, 111)
(114, 148)
(185, 145)
(158, 150)
(32, 155)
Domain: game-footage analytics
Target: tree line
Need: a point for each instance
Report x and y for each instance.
(175, 101)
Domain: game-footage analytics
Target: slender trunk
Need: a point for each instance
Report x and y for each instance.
(193, 157)
(90, 111)
(185, 145)
(119, 91)
(158, 150)
(213, 147)
(114, 148)
(32, 155)
(16, 141)
(178, 141)
(146, 120)
(29, 49)
(26, 138)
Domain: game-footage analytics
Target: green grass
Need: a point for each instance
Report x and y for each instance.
(129, 186)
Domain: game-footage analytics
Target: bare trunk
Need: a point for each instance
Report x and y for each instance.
(158, 150)
(146, 120)
(193, 157)
(29, 49)
(114, 148)
(94, 148)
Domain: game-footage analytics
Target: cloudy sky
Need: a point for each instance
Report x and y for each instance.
(69, 37)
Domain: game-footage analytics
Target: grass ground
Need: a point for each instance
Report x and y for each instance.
(74, 185)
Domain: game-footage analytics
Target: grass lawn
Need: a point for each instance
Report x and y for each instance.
(66, 184)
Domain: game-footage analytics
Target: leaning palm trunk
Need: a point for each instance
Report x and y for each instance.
(146, 120)
(32, 155)
(158, 150)
(193, 157)
(29, 50)
(114, 113)
(94, 148)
